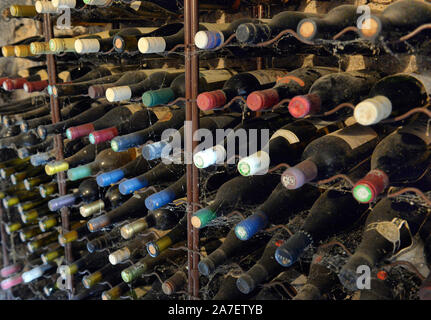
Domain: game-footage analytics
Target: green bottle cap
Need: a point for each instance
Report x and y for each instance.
(363, 193)
(202, 217)
(80, 172)
(157, 97)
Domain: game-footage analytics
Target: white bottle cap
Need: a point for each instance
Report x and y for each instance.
(62, 4)
(209, 39)
(257, 163)
(119, 256)
(35, 273)
(87, 45)
(97, 2)
(118, 93)
(373, 110)
(209, 157)
(151, 45)
(45, 7)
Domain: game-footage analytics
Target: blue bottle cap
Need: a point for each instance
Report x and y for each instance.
(23, 153)
(61, 202)
(292, 249)
(107, 178)
(155, 150)
(40, 159)
(131, 185)
(128, 141)
(159, 199)
(249, 227)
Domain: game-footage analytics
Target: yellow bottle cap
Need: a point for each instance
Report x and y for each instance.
(57, 45)
(8, 51)
(23, 51)
(22, 11)
(37, 48)
(68, 237)
(55, 167)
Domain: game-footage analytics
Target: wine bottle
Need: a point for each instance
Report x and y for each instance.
(104, 241)
(175, 119)
(229, 291)
(231, 247)
(294, 137)
(146, 264)
(163, 148)
(209, 80)
(401, 157)
(130, 209)
(390, 25)
(66, 112)
(124, 120)
(320, 281)
(105, 44)
(256, 129)
(331, 90)
(28, 205)
(32, 182)
(86, 192)
(278, 208)
(46, 239)
(37, 272)
(34, 214)
(133, 249)
(17, 177)
(98, 90)
(295, 83)
(162, 198)
(393, 96)
(83, 156)
(74, 235)
(212, 38)
(160, 219)
(326, 27)
(131, 169)
(19, 141)
(109, 273)
(237, 191)
(241, 84)
(331, 213)
(26, 152)
(9, 50)
(112, 199)
(129, 42)
(81, 88)
(388, 230)
(106, 160)
(334, 153)
(252, 33)
(96, 111)
(265, 268)
(18, 83)
(161, 172)
(89, 261)
(157, 80)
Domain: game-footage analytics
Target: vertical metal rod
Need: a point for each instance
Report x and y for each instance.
(55, 114)
(188, 142)
(3, 239)
(195, 127)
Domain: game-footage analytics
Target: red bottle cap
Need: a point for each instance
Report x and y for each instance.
(34, 86)
(367, 189)
(100, 136)
(3, 80)
(79, 131)
(301, 106)
(8, 85)
(264, 99)
(211, 100)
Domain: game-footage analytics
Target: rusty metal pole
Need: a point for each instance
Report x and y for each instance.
(55, 114)
(192, 115)
(3, 239)
(195, 126)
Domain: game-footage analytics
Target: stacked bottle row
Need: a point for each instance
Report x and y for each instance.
(312, 30)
